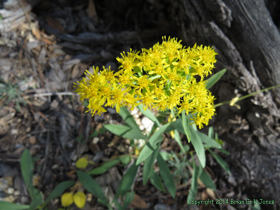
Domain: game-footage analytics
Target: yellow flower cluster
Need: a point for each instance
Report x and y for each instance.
(166, 76)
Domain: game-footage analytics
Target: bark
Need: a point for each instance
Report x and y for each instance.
(248, 43)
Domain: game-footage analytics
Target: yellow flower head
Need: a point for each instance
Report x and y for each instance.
(164, 76)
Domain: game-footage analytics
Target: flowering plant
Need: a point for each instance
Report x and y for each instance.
(165, 77)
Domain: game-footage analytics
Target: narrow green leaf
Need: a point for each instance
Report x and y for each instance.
(59, 189)
(154, 77)
(37, 201)
(93, 187)
(151, 145)
(154, 139)
(186, 125)
(148, 114)
(128, 118)
(127, 180)
(156, 181)
(118, 206)
(208, 142)
(147, 150)
(193, 190)
(187, 147)
(179, 141)
(125, 131)
(176, 125)
(219, 160)
(117, 129)
(148, 165)
(212, 80)
(207, 180)
(134, 134)
(128, 199)
(125, 159)
(165, 155)
(224, 151)
(166, 176)
(198, 146)
(105, 167)
(211, 132)
(27, 168)
(12, 206)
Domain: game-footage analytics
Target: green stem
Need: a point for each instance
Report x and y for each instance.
(247, 96)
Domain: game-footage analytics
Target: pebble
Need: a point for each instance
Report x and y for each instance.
(32, 140)
(10, 190)
(16, 193)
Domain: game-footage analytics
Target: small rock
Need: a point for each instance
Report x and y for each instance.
(14, 131)
(16, 193)
(161, 207)
(10, 190)
(32, 140)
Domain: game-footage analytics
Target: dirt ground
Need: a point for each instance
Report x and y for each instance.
(45, 47)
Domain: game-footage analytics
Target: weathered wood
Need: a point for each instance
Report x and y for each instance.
(248, 44)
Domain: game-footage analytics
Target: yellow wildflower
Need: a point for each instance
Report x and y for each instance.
(164, 76)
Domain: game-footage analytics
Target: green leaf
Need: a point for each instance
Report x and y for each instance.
(127, 180)
(187, 147)
(165, 155)
(105, 167)
(12, 206)
(125, 131)
(154, 139)
(134, 134)
(118, 206)
(198, 146)
(207, 180)
(147, 151)
(212, 80)
(128, 118)
(128, 199)
(166, 176)
(186, 125)
(27, 168)
(156, 181)
(224, 151)
(176, 125)
(136, 69)
(148, 165)
(193, 190)
(151, 145)
(219, 160)
(93, 187)
(211, 132)
(208, 142)
(37, 201)
(154, 77)
(125, 159)
(119, 130)
(59, 189)
(148, 114)
(179, 141)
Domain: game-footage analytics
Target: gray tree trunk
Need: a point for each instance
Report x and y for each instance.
(248, 45)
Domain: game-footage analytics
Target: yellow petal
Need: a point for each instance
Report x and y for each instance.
(82, 163)
(67, 199)
(80, 199)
